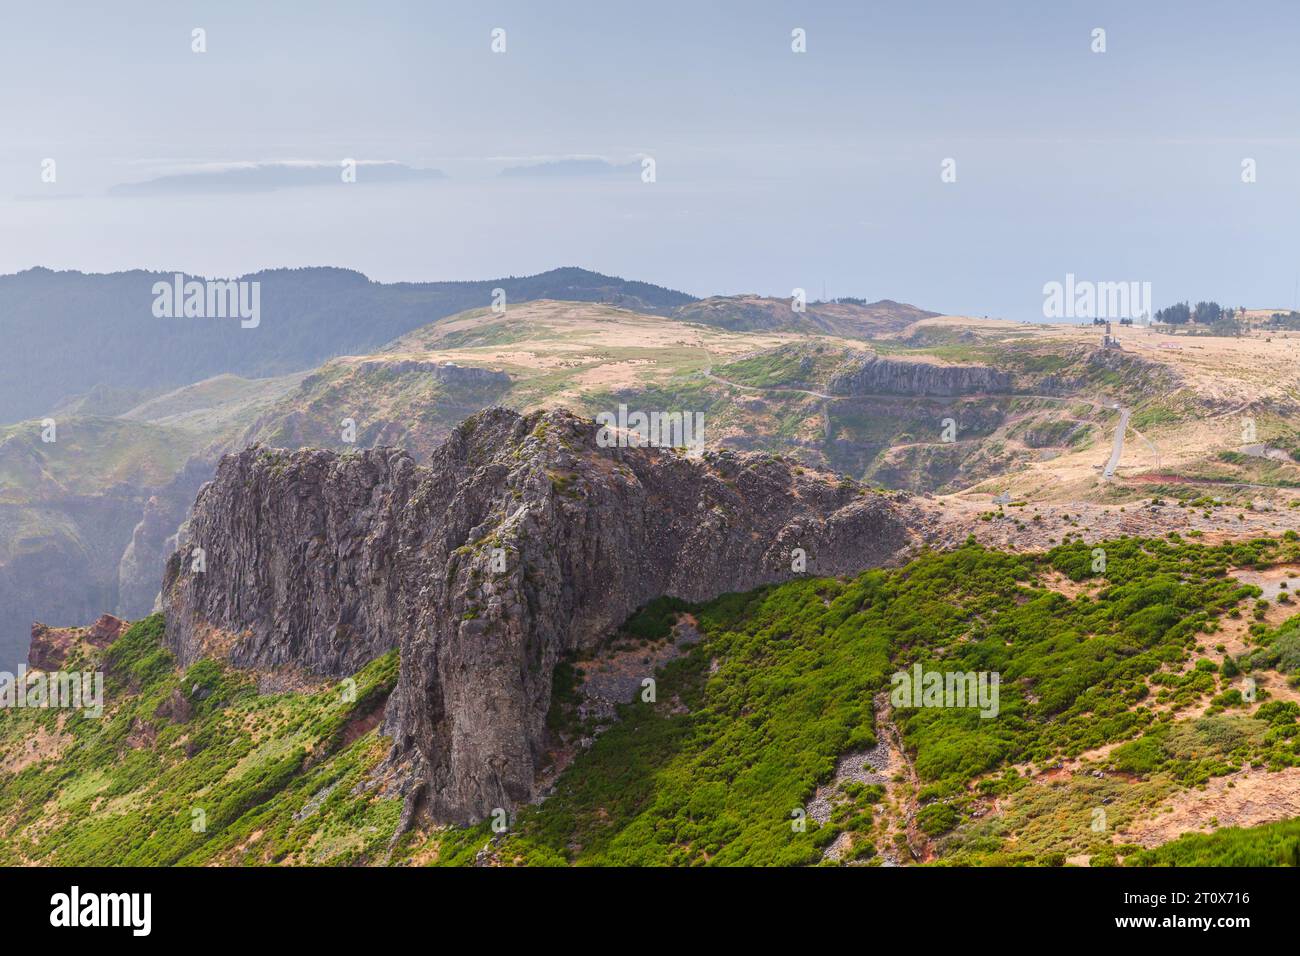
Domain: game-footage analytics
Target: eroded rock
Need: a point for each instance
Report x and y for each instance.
(520, 542)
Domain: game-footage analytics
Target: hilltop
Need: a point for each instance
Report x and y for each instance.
(975, 411)
(848, 318)
(107, 334)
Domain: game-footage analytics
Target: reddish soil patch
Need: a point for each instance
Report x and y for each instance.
(1244, 799)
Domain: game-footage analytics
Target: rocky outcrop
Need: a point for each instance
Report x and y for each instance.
(871, 375)
(51, 645)
(291, 561)
(449, 373)
(522, 541)
(1112, 373)
(452, 374)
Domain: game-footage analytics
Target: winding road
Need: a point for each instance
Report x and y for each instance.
(708, 373)
(1117, 445)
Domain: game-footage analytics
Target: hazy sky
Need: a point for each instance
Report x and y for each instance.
(774, 169)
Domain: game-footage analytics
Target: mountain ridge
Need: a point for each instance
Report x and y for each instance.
(521, 541)
(308, 316)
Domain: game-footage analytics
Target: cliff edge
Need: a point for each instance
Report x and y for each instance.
(522, 541)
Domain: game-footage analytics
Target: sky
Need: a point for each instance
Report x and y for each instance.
(773, 170)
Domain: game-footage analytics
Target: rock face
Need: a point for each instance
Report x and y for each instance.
(299, 555)
(872, 375)
(454, 374)
(50, 645)
(522, 541)
(449, 373)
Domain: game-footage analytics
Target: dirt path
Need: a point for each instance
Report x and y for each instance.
(708, 373)
(1243, 799)
(902, 794)
(1117, 446)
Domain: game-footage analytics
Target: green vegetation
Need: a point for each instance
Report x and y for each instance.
(801, 365)
(1272, 844)
(781, 686)
(1280, 649)
(88, 456)
(194, 767)
(746, 727)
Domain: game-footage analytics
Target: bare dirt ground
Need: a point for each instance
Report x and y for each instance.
(548, 336)
(41, 745)
(1243, 799)
(1228, 379)
(1246, 798)
(947, 521)
(1257, 367)
(1058, 582)
(1273, 582)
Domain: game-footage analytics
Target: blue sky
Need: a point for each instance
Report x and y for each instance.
(774, 169)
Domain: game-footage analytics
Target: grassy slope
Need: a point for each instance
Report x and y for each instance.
(133, 787)
(407, 408)
(88, 456)
(216, 405)
(1273, 844)
(744, 727)
(796, 669)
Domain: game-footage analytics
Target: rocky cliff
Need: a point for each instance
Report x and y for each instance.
(871, 375)
(51, 646)
(522, 541)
